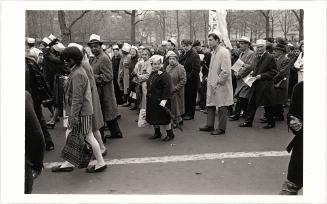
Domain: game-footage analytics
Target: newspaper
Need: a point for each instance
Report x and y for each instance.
(237, 65)
(249, 80)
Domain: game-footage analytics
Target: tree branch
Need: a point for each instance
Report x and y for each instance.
(81, 16)
(296, 15)
(127, 12)
(137, 22)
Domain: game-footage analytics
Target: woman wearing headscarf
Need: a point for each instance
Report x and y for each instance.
(79, 108)
(178, 81)
(158, 100)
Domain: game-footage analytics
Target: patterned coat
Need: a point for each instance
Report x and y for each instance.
(178, 80)
(219, 85)
(123, 74)
(242, 89)
(103, 75)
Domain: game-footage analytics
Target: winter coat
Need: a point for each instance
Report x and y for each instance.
(123, 74)
(263, 89)
(143, 71)
(178, 80)
(219, 84)
(158, 88)
(103, 75)
(115, 66)
(191, 62)
(242, 90)
(78, 97)
(97, 117)
(283, 71)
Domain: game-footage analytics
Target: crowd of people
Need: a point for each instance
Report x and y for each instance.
(85, 85)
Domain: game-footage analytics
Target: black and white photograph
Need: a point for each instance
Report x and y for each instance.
(140, 100)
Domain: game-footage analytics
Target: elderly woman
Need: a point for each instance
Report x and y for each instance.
(79, 108)
(158, 100)
(143, 70)
(178, 81)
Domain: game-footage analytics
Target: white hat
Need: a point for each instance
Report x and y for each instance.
(115, 47)
(156, 58)
(244, 39)
(290, 45)
(173, 41)
(171, 54)
(260, 42)
(80, 47)
(30, 40)
(94, 39)
(103, 47)
(126, 47)
(52, 37)
(34, 54)
(164, 42)
(59, 47)
(141, 47)
(135, 48)
(216, 32)
(46, 40)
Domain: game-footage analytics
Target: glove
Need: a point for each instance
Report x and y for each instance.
(163, 103)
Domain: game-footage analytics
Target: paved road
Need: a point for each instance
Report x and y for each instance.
(244, 161)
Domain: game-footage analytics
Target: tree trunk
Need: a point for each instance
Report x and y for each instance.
(65, 32)
(178, 31)
(190, 24)
(301, 25)
(272, 25)
(133, 27)
(285, 25)
(267, 27)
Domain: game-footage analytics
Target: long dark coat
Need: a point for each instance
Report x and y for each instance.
(103, 75)
(283, 69)
(263, 89)
(191, 62)
(158, 88)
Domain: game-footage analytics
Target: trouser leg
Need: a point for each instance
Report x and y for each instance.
(250, 112)
(211, 116)
(278, 110)
(114, 127)
(270, 114)
(28, 179)
(222, 117)
(295, 167)
(39, 114)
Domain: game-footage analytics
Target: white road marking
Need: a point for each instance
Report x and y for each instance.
(183, 158)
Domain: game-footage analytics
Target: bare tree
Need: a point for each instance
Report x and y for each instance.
(286, 22)
(205, 19)
(267, 16)
(299, 16)
(67, 30)
(134, 14)
(177, 26)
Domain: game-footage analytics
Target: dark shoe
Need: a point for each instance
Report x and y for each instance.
(57, 120)
(187, 117)
(115, 136)
(49, 146)
(234, 117)
(207, 128)
(269, 126)
(263, 120)
(157, 134)
(51, 125)
(246, 124)
(126, 105)
(218, 132)
(91, 169)
(118, 117)
(64, 169)
(181, 123)
(170, 136)
(133, 108)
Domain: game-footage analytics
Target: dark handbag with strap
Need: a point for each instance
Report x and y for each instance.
(77, 150)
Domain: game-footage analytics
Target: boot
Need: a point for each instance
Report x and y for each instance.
(170, 135)
(289, 188)
(157, 134)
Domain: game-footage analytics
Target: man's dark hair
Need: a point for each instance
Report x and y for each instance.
(186, 42)
(73, 53)
(148, 50)
(216, 37)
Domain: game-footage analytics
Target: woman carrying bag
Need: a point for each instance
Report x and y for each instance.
(79, 109)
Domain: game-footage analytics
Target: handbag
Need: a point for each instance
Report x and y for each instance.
(77, 150)
(281, 84)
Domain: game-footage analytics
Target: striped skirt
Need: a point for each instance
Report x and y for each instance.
(85, 125)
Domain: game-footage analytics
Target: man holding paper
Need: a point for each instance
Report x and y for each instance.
(262, 90)
(242, 90)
